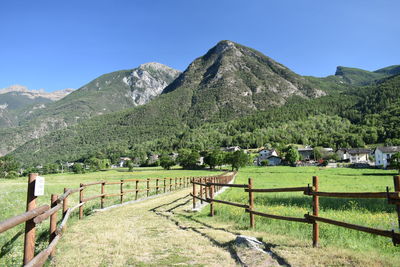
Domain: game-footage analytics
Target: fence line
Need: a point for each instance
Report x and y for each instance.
(212, 185)
(35, 215)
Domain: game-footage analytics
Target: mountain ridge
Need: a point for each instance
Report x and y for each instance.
(106, 94)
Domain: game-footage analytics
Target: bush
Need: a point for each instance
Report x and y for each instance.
(78, 168)
(166, 162)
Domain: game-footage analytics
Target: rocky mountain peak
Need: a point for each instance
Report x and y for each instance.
(148, 81)
(234, 79)
(32, 94)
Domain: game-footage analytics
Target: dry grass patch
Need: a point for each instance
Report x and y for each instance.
(137, 235)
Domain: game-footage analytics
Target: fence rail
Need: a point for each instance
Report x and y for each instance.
(35, 215)
(209, 187)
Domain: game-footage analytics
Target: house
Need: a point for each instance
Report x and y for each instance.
(274, 161)
(173, 155)
(383, 155)
(231, 148)
(152, 158)
(268, 154)
(359, 155)
(306, 153)
(342, 154)
(355, 155)
(123, 161)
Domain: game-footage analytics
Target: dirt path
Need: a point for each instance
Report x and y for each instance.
(155, 232)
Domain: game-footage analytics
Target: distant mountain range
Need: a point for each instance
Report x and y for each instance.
(224, 97)
(15, 99)
(109, 93)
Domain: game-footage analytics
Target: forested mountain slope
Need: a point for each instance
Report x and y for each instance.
(229, 81)
(211, 105)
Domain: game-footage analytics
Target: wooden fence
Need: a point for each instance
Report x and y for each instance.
(208, 186)
(35, 215)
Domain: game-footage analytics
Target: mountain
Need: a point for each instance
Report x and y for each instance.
(17, 97)
(356, 76)
(232, 80)
(228, 82)
(109, 93)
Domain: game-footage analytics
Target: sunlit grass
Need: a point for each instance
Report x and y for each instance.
(13, 200)
(376, 213)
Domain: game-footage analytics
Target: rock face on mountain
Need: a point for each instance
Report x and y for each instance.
(148, 81)
(231, 80)
(109, 93)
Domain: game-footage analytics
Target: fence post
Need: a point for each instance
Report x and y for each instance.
(315, 212)
(157, 186)
(205, 189)
(122, 191)
(175, 183)
(194, 193)
(136, 189)
(251, 203)
(65, 207)
(396, 180)
(81, 201)
(165, 184)
(65, 204)
(53, 223)
(201, 190)
(211, 200)
(102, 197)
(30, 230)
(170, 184)
(148, 187)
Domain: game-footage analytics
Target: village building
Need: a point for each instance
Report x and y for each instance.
(383, 155)
(173, 155)
(306, 153)
(354, 155)
(123, 161)
(268, 154)
(231, 148)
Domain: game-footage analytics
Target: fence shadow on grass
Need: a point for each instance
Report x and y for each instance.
(228, 246)
(9, 244)
(371, 205)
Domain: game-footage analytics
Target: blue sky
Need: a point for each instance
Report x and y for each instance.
(65, 44)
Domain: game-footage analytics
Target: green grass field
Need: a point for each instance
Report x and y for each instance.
(13, 201)
(368, 212)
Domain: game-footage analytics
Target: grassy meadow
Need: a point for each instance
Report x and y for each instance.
(13, 201)
(368, 212)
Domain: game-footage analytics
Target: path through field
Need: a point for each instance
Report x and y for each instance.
(154, 232)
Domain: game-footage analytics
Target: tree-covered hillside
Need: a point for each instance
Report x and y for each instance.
(234, 95)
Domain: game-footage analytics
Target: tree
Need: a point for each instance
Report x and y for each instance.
(237, 159)
(318, 153)
(130, 165)
(395, 161)
(8, 167)
(166, 162)
(214, 158)
(188, 159)
(292, 155)
(78, 168)
(264, 162)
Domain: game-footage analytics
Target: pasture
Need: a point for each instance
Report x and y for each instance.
(375, 213)
(13, 201)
